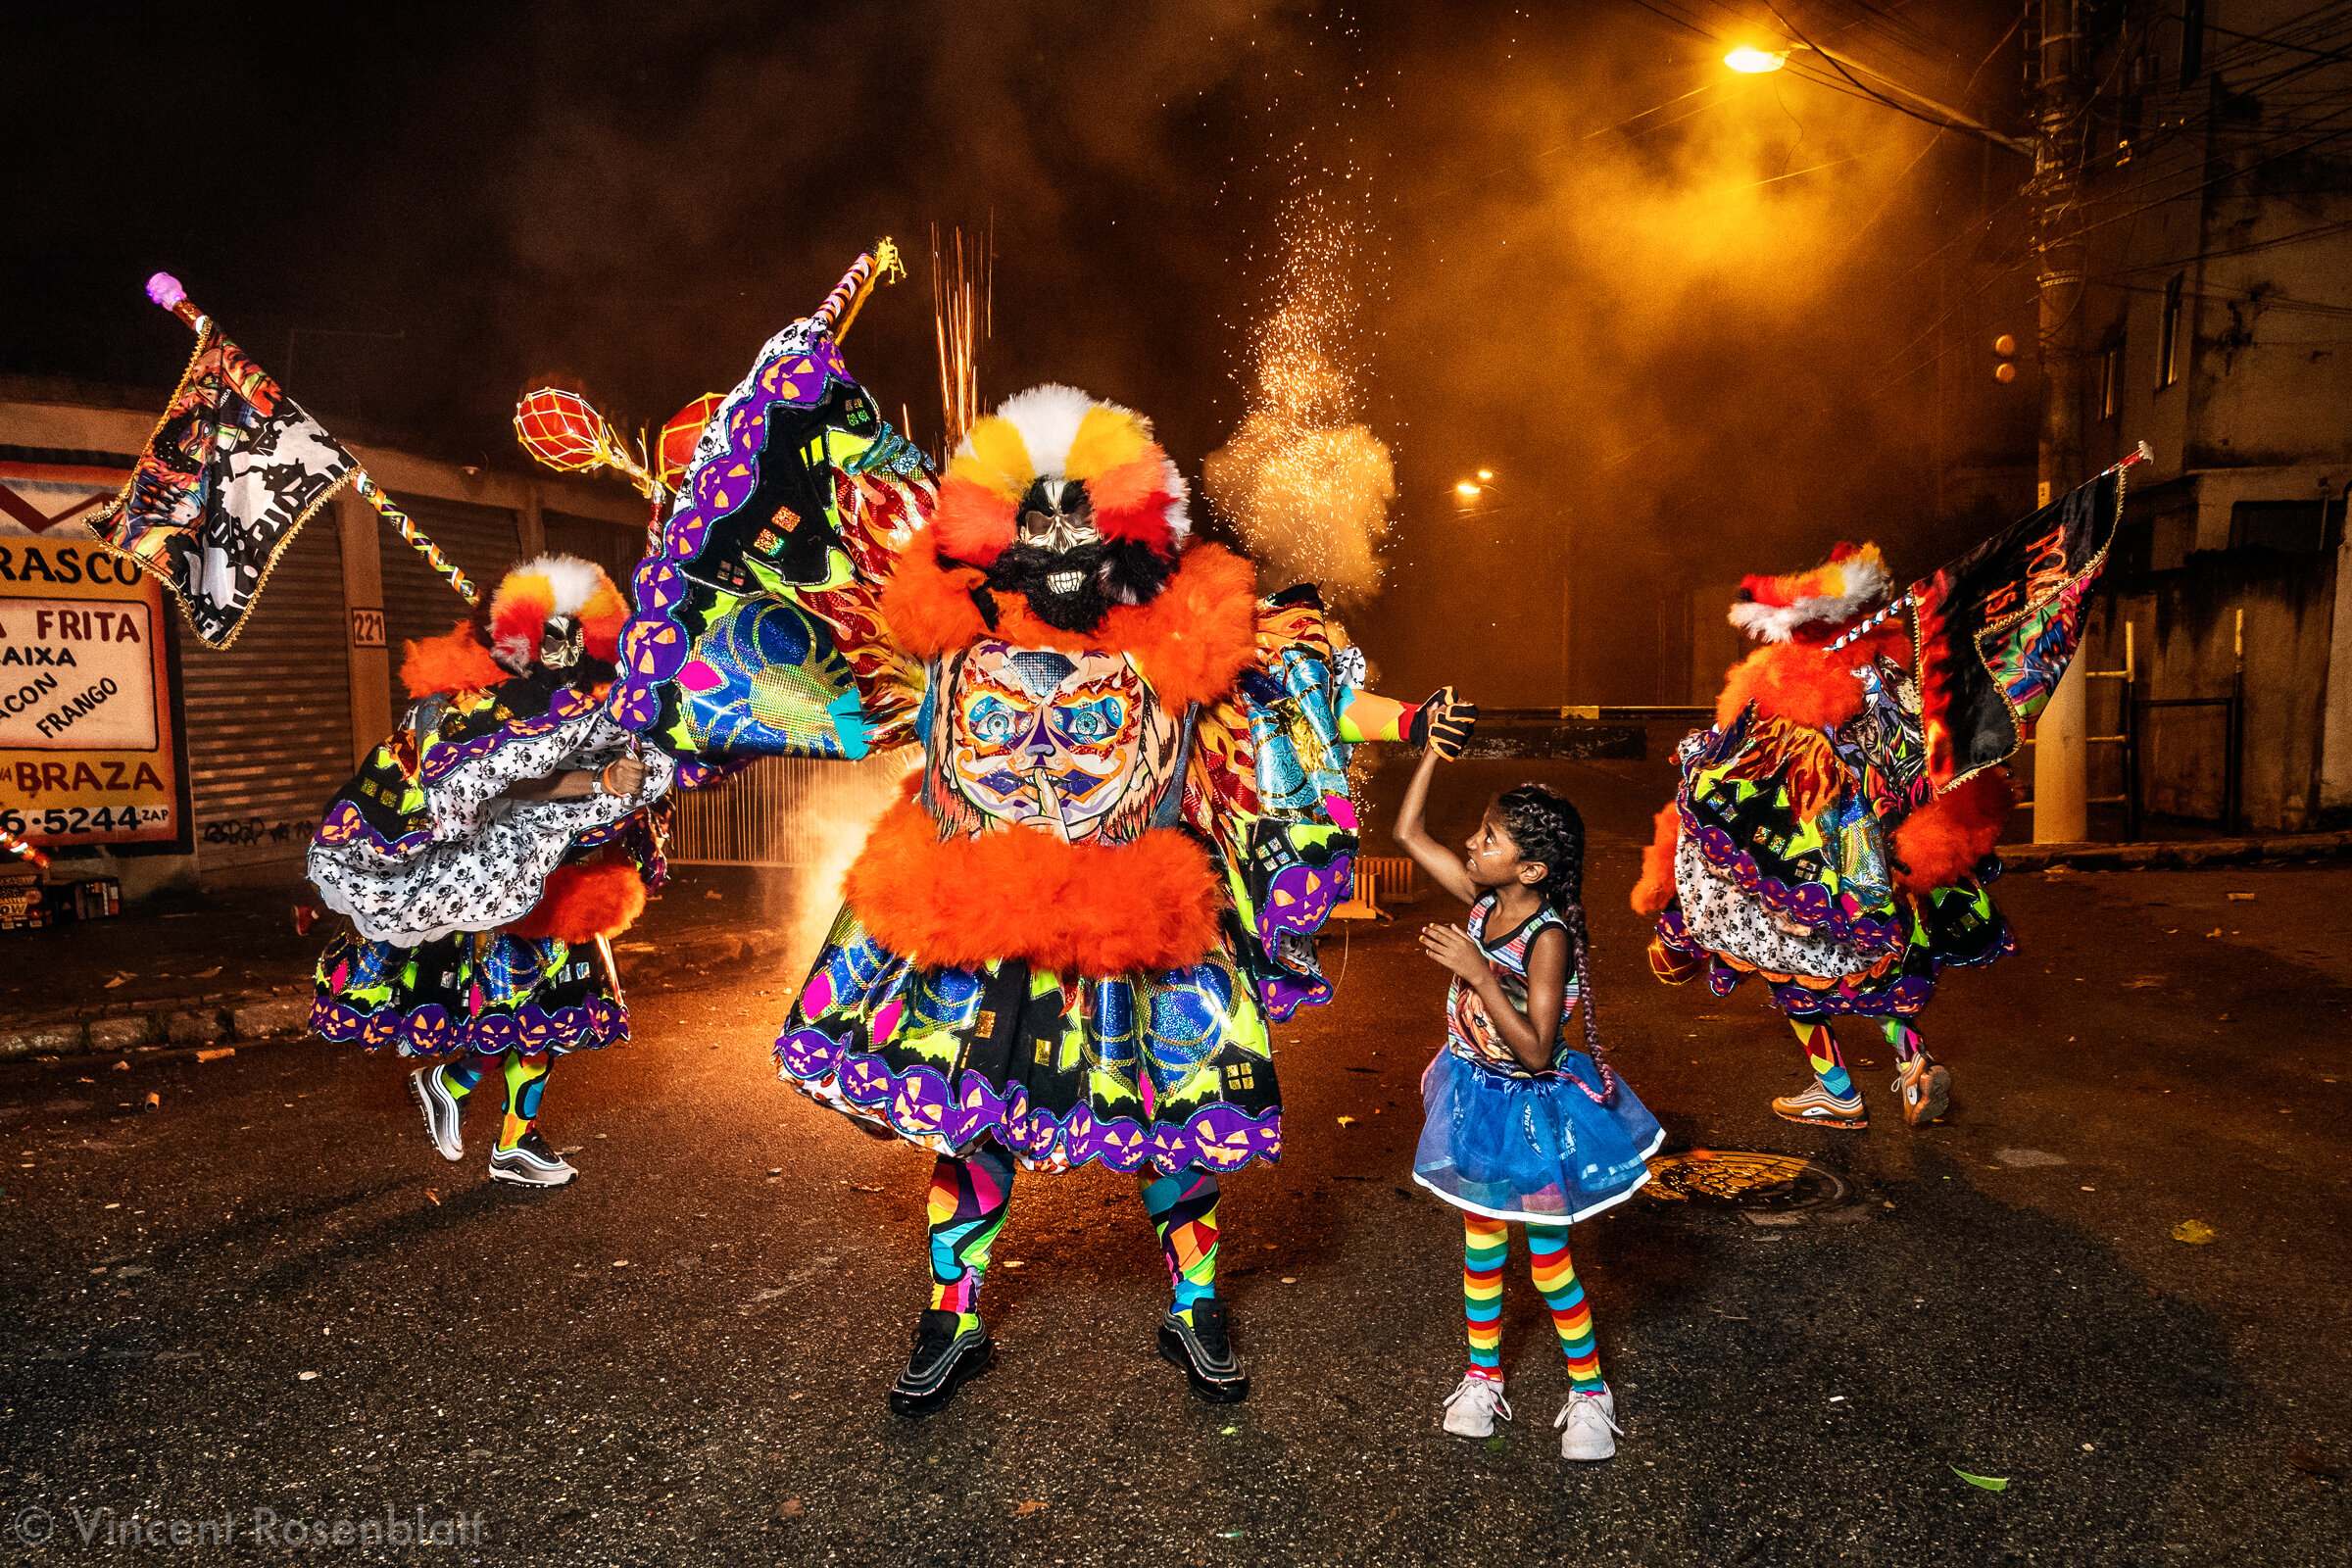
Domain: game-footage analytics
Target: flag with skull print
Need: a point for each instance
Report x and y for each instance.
(234, 468)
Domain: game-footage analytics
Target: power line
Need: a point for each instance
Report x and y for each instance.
(2322, 231)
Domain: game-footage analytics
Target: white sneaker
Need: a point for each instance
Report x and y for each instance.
(442, 1112)
(531, 1163)
(1587, 1423)
(1471, 1408)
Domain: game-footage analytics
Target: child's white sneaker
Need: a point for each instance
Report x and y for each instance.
(1471, 1408)
(1589, 1428)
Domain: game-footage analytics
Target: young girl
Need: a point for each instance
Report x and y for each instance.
(1522, 1126)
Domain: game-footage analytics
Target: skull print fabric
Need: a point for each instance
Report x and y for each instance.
(422, 844)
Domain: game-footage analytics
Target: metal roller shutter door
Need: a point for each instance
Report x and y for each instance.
(614, 546)
(269, 718)
(419, 601)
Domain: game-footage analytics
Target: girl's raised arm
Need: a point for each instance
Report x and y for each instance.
(1413, 835)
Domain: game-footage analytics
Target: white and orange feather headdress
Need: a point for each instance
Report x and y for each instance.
(1059, 432)
(550, 588)
(1851, 584)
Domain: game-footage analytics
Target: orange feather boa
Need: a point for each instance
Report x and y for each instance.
(1805, 683)
(454, 661)
(585, 899)
(1194, 637)
(1077, 908)
(1944, 840)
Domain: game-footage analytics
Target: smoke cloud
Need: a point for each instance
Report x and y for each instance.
(1695, 324)
(1307, 484)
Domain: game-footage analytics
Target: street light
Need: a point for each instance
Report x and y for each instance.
(1469, 500)
(1750, 61)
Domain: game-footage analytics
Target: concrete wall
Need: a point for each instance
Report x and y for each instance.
(2185, 628)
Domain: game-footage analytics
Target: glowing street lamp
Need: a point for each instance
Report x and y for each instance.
(1466, 489)
(1750, 61)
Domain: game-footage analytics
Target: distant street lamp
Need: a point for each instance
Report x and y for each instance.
(1470, 498)
(1754, 62)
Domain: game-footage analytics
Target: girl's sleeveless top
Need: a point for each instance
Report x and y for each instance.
(1470, 1033)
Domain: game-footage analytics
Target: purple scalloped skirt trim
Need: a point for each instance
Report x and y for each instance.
(567, 705)
(432, 1031)
(1902, 1000)
(1808, 904)
(653, 644)
(916, 1105)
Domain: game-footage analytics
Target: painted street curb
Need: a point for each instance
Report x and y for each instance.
(2186, 855)
(141, 1032)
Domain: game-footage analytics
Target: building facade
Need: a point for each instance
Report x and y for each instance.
(269, 728)
(2217, 215)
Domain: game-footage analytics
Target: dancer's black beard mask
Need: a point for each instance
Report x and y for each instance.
(1128, 567)
(1063, 587)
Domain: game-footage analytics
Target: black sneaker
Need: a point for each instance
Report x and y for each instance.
(945, 1359)
(1204, 1348)
(531, 1163)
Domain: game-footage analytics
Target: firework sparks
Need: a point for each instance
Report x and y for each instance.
(962, 312)
(1307, 483)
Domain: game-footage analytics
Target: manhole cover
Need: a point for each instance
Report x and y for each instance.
(1752, 1183)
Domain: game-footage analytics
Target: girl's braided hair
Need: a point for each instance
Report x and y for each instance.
(1546, 827)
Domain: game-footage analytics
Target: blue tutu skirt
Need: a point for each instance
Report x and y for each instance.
(1530, 1149)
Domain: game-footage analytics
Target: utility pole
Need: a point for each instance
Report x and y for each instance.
(2061, 757)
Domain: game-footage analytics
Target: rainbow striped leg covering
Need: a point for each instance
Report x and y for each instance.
(1486, 1242)
(969, 1200)
(1183, 1212)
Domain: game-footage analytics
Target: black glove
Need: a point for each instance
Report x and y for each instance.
(1443, 723)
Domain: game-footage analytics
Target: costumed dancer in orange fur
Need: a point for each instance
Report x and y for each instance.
(1129, 821)
(486, 853)
(1801, 848)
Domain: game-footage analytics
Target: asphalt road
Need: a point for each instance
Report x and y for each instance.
(270, 1295)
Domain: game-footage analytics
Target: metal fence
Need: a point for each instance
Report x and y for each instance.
(785, 811)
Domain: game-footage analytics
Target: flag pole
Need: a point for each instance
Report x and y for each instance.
(842, 306)
(405, 526)
(165, 291)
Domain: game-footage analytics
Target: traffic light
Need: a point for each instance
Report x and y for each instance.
(2005, 372)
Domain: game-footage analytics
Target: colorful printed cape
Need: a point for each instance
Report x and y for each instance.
(1783, 874)
(1998, 627)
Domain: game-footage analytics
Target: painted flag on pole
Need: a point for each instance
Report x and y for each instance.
(1998, 627)
(232, 471)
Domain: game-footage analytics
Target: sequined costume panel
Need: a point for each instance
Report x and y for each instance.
(1781, 870)
(1269, 786)
(1172, 1067)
